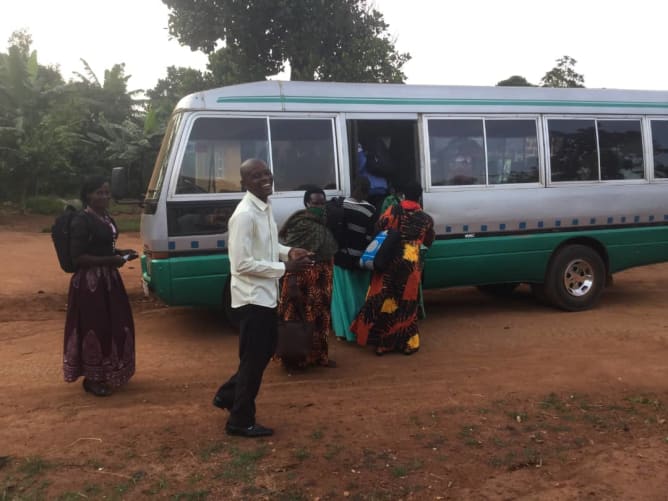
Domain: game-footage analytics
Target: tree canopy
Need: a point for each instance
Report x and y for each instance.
(563, 74)
(515, 81)
(343, 40)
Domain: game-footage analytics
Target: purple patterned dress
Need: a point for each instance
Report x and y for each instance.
(99, 330)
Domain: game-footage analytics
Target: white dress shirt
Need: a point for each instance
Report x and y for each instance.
(254, 253)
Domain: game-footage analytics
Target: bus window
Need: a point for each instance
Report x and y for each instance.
(660, 148)
(620, 145)
(160, 168)
(457, 151)
(573, 154)
(512, 151)
(215, 150)
(302, 153)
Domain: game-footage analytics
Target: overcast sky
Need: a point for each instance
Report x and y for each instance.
(618, 44)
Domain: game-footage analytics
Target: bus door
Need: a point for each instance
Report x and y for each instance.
(385, 149)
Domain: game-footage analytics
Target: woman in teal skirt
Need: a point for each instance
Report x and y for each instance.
(350, 281)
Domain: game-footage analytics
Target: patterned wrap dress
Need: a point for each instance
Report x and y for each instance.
(388, 319)
(99, 330)
(308, 231)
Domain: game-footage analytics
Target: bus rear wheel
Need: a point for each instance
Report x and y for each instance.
(576, 278)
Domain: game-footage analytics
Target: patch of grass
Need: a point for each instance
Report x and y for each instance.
(92, 490)
(332, 451)
(242, 465)
(552, 401)
(122, 488)
(70, 496)
(208, 450)
(94, 463)
(516, 460)
(116, 208)
(317, 434)
(467, 434)
(48, 205)
(33, 465)
(400, 471)
(157, 487)
(302, 454)
(596, 421)
(195, 478)
(128, 224)
(191, 496)
(499, 442)
(291, 494)
(163, 452)
(645, 400)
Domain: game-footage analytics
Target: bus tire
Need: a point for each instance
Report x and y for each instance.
(230, 313)
(575, 278)
(498, 290)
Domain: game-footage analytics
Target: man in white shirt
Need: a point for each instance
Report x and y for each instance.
(254, 253)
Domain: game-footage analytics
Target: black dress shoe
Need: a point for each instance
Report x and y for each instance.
(97, 389)
(256, 430)
(221, 404)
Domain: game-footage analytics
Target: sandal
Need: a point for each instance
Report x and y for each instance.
(97, 389)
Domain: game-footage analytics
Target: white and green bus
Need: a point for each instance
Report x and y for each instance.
(557, 188)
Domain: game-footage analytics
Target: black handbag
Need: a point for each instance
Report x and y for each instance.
(295, 337)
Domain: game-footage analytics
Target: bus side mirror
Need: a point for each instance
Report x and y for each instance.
(119, 183)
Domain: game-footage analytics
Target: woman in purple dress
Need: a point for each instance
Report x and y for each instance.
(99, 330)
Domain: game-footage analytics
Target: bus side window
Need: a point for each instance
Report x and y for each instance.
(216, 147)
(302, 153)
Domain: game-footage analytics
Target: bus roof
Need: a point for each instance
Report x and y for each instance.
(278, 96)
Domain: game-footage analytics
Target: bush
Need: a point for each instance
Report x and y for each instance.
(49, 205)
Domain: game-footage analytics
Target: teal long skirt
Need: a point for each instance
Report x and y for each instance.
(348, 295)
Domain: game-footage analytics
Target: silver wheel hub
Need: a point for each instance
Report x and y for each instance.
(578, 277)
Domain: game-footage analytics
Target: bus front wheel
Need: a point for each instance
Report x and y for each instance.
(575, 279)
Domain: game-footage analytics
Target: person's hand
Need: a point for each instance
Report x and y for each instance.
(119, 261)
(298, 253)
(300, 264)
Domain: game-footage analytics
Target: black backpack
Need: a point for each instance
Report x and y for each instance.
(335, 221)
(60, 234)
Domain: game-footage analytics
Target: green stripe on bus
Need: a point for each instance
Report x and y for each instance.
(436, 102)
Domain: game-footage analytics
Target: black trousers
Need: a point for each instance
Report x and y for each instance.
(257, 343)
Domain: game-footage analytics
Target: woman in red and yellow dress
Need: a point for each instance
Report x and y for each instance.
(388, 319)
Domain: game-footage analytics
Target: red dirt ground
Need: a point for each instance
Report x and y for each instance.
(507, 399)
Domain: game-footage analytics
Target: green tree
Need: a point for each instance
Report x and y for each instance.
(344, 40)
(515, 81)
(168, 91)
(112, 121)
(35, 141)
(563, 74)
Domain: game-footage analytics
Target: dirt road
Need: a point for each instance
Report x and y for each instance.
(506, 399)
